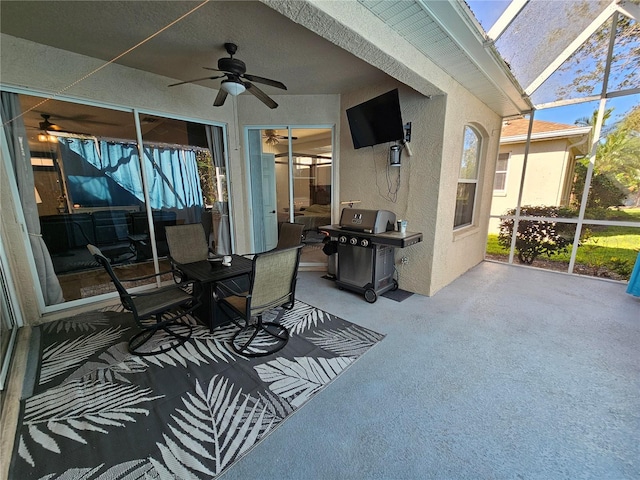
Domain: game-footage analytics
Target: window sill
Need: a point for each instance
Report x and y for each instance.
(464, 232)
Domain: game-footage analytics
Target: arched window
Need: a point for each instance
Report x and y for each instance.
(467, 179)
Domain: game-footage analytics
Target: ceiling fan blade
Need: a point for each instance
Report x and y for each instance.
(260, 95)
(220, 98)
(266, 81)
(196, 80)
(48, 126)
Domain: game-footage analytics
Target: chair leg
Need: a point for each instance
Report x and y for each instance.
(275, 337)
(141, 338)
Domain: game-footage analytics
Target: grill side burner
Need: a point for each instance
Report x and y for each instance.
(366, 242)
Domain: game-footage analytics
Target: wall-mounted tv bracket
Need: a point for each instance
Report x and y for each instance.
(407, 139)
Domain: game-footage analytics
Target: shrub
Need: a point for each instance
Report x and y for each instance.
(536, 237)
(621, 267)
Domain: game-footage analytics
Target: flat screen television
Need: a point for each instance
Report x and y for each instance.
(376, 121)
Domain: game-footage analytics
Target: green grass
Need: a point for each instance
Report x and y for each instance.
(607, 246)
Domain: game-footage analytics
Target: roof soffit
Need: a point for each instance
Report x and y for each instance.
(341, 23)
(415, 29)
(448, 34)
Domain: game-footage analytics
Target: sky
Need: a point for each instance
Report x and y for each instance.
(488, 11)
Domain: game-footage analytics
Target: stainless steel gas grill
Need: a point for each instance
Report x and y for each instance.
(366, 240)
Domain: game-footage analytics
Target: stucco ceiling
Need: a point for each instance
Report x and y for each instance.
(270, 44)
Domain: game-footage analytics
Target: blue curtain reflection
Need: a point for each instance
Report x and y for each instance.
(101, 173)
(173, 178)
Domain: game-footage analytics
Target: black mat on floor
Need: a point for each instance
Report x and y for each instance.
(92, 410)
(397, 295)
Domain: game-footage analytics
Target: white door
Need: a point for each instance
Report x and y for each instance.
(269, 205)
(262, 179)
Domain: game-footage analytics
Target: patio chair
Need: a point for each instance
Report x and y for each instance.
(272, 284)
(155, 311)
(290, 235)
(187, 243)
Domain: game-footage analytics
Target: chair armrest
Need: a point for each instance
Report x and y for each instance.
(148, 276)
(193, 283)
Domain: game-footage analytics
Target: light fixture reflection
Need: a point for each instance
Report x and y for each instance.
(46, 138)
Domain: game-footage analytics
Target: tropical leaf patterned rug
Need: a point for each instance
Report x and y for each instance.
(94, 411)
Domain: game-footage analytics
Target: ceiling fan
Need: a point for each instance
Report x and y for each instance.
(84, 120)
(272, 138)
(47, 126)
(237, 80)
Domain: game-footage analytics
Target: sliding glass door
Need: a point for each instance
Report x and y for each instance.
(89, 182)
(10, 321)
(291, 173)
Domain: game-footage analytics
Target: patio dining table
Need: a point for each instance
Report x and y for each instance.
(209, 273)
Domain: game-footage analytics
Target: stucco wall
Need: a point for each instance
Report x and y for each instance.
(427, 194)
(544, 182)
(458, 251)
(363, 176)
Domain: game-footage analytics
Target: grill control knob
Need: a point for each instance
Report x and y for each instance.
(364, 242)
(342, 239)
(353, 241)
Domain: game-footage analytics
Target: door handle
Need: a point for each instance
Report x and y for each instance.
(273, 211)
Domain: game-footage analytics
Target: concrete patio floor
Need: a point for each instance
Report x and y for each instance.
(508, 372)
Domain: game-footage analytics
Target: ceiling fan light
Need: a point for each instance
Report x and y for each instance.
(46, 138)
(232, 88)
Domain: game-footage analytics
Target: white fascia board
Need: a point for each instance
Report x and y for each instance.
(507, 17)
(573, 46)
(629, 9)
(568, 133)
(478, 48)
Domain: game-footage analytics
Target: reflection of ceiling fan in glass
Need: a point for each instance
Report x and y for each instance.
(272, 138)
(47, 125)
(47, 128)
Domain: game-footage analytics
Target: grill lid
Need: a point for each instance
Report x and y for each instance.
(369, 221)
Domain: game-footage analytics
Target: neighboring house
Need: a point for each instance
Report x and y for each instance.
(553, 152)
(455, 92)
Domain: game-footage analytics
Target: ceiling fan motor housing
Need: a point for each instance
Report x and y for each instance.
(232, 65)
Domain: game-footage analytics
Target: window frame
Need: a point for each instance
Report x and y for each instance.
(502, 191)
(468, 181)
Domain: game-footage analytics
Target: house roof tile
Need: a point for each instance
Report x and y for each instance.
(520, 126)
